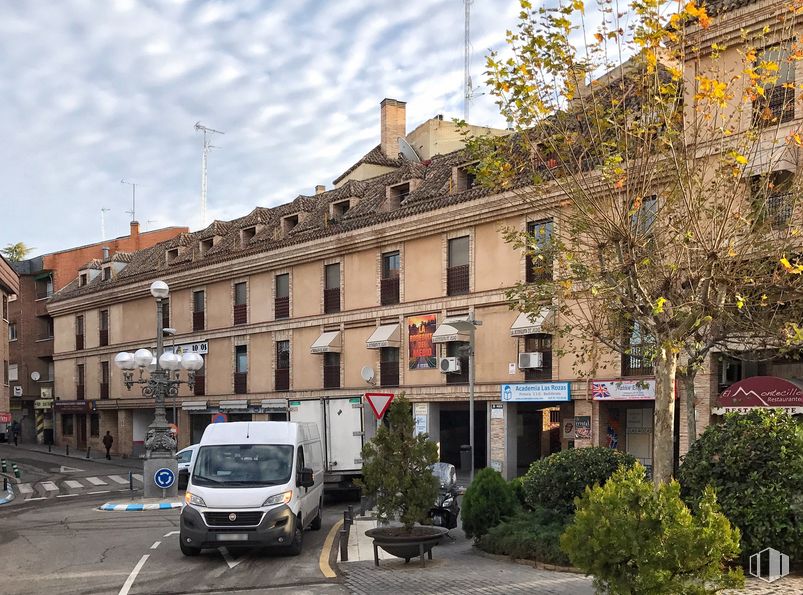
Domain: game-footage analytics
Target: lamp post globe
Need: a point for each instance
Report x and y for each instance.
(125, 361)
(142, 357)
(159, 289)
(170, 361)
(192, 362)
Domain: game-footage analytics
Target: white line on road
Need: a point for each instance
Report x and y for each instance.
(227, 557)
(96, 481)
(25, 488)
(138, 477)
(155, 545)
(49, 486)
(129, 582)
(66, 496)
(100, 492)
(32, 499)
(118, 479)
(172, 533)
(76, 485)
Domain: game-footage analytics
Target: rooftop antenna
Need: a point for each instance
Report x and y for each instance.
(208, 132)
(103, 211)
(467, 62)
(148, 223)
(133, 211)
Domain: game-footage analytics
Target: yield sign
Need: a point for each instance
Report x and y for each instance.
(379, 402)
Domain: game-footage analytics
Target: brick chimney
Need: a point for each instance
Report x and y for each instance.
(134, 234)
(320, 189)
(393, 125)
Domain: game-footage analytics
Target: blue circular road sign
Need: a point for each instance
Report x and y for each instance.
(164, 478)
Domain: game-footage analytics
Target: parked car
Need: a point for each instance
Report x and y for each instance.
(184, 460)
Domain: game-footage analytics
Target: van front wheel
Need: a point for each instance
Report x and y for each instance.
(294, 549)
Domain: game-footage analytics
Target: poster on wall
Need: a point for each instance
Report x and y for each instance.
(622, 390)
(421, 348)
(582, 427)
(568, 428)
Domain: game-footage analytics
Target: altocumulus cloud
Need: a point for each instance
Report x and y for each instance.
(99, 90)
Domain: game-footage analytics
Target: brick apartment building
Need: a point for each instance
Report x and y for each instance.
(9, 287)
(292, 302)
(31, 327)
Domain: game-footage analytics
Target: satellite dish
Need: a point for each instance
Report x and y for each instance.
(35, 376)
(367, 374)
(407, 151)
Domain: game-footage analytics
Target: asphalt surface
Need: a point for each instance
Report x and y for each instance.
(66, 546)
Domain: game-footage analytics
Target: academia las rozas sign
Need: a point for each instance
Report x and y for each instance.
(761, 392)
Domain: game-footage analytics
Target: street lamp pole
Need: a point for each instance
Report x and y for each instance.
(471, 394)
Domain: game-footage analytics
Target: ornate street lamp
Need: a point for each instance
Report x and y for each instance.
(163, 380)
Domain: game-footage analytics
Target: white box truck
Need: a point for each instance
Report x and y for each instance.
(342, 424)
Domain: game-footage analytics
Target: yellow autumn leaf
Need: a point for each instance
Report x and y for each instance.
(794, 269)
(739, 301)
(658, 308)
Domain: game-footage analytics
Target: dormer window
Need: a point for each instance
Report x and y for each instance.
(463, 178)
(82, 279)
(171, 255)
(338, 209)
(246, 235)
(288, 223)
(205, 245)
(107, 273)
(396, 195)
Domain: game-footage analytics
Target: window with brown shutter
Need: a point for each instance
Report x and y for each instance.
(389, 291)
(281, 306)
(282, 365)
(198, 310)
(240, 303)
(458, 271)
(331, 292)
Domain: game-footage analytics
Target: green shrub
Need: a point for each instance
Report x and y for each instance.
(635, 538)
(529, 535)
(517, 487)
(755, 464)
(487, 501)
(555, 481)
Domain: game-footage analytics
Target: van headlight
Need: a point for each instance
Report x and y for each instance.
(193, 499)
(282, 498)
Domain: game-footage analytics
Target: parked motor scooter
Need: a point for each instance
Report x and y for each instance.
(446, 510)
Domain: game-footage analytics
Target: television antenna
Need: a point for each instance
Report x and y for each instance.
(148, 222)
(103, 211)
(208, 132)
(407, 151)
(133, 211)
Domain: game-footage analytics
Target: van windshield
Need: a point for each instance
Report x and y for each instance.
(237, 465)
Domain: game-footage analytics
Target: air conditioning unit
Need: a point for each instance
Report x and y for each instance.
(534, 359)
(449, 364)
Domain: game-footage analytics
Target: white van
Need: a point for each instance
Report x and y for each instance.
(253, 484)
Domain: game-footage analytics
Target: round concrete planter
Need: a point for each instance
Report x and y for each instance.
(406, 545)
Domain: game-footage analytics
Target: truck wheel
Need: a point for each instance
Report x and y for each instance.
(316, 523)
(186, 549)
(294, 549)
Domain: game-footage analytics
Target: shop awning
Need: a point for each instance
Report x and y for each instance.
(274, 404)
(384, 336)
(771, 157)
(526, 324)
(193, 406)
(446, 333)
(328, 342)
(234, 404)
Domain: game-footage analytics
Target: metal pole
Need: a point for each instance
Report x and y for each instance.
(471, 395)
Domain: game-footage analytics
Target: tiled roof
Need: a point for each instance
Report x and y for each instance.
(714, 7)
(373, 157)
(121, 257)
(92, 264)
(433, 192)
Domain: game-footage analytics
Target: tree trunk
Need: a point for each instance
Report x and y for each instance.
(691, 419)
(663, 456)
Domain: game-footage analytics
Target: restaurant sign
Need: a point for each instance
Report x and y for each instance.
(761, 392)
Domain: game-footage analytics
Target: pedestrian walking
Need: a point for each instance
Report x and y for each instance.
(107, 442)
(15, 431)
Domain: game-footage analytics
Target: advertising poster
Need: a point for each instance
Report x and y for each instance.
(422, 349)
(622, 390)
(582, 427)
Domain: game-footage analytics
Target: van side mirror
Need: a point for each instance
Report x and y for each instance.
(305, 479)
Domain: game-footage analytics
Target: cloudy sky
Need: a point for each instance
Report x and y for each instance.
(94, 91)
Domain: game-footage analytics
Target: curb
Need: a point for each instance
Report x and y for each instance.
(111, 507)
(533, 563)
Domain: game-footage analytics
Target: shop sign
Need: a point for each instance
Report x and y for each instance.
(46, 392)
(623, 390)
(537, 391)
(72, 406)
(761, 392)
(43, 404)
(497, 411)
(582, 427)
(568, 428)
(421, 347)
(17, 391)
(5, 418)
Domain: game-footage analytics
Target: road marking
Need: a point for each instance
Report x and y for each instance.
(100, 492)
(66, 496)
(323, 560)
(25, 488)
(49, 486)
(172, 533)
(64, 469)
(129, 582)
(76, 485)
(32, 499)
(155, 544)
(227, 557)
(96, 481)
(118, 479)
(138, 477)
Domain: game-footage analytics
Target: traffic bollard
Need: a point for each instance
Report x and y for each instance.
(5, 484)
(49, 448)
(67, 448)
(16, 470)
(88, 448)
(344, 545)
(4, 465)
(130, 481)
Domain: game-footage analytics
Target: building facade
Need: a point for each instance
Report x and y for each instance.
(31, 329)
(9, 288)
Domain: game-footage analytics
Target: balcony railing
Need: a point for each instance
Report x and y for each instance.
(389, 374)
(240, 313)
(331, 376)
(331, 300)
(457, 280)
(282, 378)
(79, 342)
(282, 307)
(79, 392)
(199, 390)
(779, 209)
(104, 337)
(390, 291)
(635, 363)
(104, 390)
(240, 383)
(198, 321)
(777, 106)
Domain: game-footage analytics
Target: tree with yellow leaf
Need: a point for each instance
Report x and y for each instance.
(661, 148)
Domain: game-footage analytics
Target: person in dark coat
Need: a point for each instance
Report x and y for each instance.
(107, 442)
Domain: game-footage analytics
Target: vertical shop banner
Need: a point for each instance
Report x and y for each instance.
(421, 348)
(582, 427)
(420, 410)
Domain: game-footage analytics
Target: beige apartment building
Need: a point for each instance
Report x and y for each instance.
(293, 302)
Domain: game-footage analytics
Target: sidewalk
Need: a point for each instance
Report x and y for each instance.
(96, 456)
(455, 568)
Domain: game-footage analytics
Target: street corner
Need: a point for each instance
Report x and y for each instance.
(139, 505)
